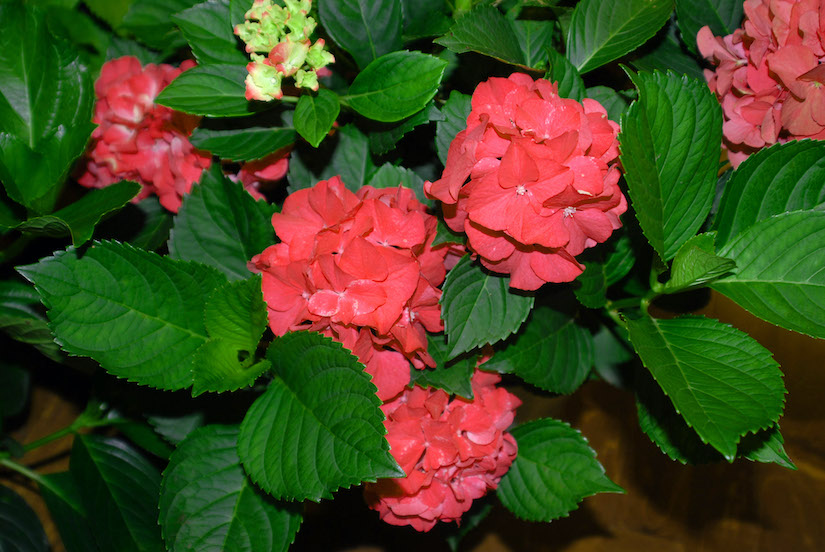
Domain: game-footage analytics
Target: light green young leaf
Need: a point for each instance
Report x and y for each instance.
(318, 426)
(780, 276)
(221, 225)
(696, 264)
(555, 470)
(670, 144)
(775, 180)
(487, 31)
(551, 352)
(235, 316)
(479, 308)
(314, 115)
(136, 313)
(723, 383)
(395, 85)
(367, 29)
(604, 30)
(207, 502)
(114, 478)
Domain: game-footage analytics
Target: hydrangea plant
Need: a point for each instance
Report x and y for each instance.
(337, 261)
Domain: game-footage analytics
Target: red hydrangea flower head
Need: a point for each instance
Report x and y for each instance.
(532, 180)
(139, 140)
(453, 452)
(769, 75)
(360, 268)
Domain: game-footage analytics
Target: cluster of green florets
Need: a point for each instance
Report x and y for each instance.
(278, 40)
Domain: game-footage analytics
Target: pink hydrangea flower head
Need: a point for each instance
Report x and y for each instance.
(769, 78)
(532, 180)
(361, 269)
(282, 33)
(139, 140)
(453, 452)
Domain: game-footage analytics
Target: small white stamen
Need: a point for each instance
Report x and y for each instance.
(521, 190)
(568, 211)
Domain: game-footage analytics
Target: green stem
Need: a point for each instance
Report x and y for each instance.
(34, 476)
(290, 99)
(617, 318)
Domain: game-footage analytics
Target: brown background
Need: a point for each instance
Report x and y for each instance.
(667, 507)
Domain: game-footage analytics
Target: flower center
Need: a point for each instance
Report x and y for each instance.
(521, 190)
(568, 211)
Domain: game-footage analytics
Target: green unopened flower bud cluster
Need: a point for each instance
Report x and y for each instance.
(278, 41)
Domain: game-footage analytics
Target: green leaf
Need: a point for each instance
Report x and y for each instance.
(562, 71)
(722, 16)
(143, 436)
(604, 30)
(535, 39)
(70, 518)
(80, 218)
(156, 224)
(244, 144)
(722, 382)
(390, 176)
(591, 285)
(314, 115)
(367, 29)
(119, 47)
(487, 31)
(670, 143)
(14, 389)
(445, 234)
(479, 308)
(382, 141)
(110, 11)
(235, 316)
(555, 470)
(396, 85)
(668, 431)
(775, 180)
(318, 426)
(151, 22)
(453, 376)
(780, 277)
(221, 225)
(424, 18)
(136, 313)
(213, 90)
(620, 259)
(120, 486)
(20, 529)
(610, 355)
(696, 264)
(666, 52)
(455, 110)
(209, 31)
(175, 428)
(208, 503)
(551, 352)
(610, 100)
(21, 321)
(351, 159)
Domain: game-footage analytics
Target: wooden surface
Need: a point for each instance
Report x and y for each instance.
(667, 507)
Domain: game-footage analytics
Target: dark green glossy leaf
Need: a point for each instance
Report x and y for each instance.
(562, 71)
(555, 470)
(72, 523)
(246, 144)
(151, 22)
(666, 52)
(213, 90)
(390, 176)
(425, 18)
(453, 376)
(367, 29)
(136, 313)
(670, 143)
(20, 529)
(479, 308)
(221, 225)
(455, 110)
(722, 16)
(722, 382)
(209, 31)
(696, 263)
(551, 352)
(317, 428)
(487, 31)
(610, 100)
(314, 115)
(207, 502)
(535, 39)
(351, 160)
(396, 85)
(382, 141)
